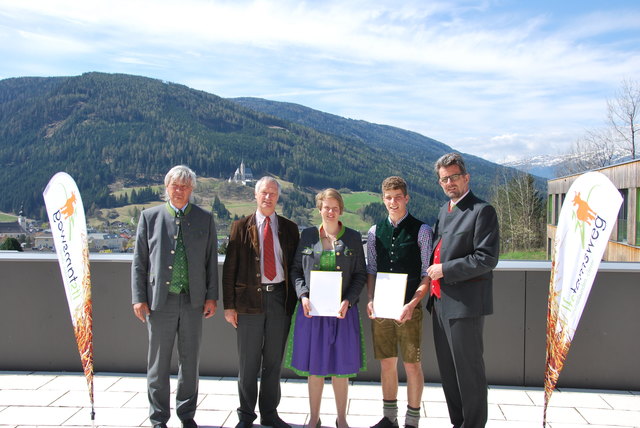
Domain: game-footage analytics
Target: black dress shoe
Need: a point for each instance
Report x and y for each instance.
(159, 425)
(385, 422)
(274, 422)
(189, 423)
(244, 424)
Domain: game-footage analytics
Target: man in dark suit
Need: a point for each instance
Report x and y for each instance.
(174, 283)
(465, 253)
(259, 299)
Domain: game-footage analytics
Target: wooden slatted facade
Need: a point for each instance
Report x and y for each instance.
(624, 245)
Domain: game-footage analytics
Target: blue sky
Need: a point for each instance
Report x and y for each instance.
(501, 79)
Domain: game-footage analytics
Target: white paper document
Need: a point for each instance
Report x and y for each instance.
(325, 293)
(388, 299)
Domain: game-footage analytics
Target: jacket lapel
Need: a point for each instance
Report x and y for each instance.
(253, 234)
(317, 249)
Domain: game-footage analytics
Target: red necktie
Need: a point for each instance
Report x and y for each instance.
(435, 283)
(268, 254)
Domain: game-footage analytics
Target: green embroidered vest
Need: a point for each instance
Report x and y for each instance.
(397, 251)
(180, 267)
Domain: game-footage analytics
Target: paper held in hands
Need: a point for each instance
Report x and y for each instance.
(388, 299)
(325, 293)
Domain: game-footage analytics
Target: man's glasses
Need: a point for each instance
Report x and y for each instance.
(448, 178)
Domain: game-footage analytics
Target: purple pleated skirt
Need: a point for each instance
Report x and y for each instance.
(326, 346)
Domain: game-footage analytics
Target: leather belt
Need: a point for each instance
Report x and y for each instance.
(271, 287)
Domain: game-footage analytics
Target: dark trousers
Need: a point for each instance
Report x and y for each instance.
(459, 348)
(261, 341)
(176, 318)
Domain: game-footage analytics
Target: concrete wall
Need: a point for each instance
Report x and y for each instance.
(36, 331)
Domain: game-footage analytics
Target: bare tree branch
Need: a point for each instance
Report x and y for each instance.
(596, 149)
(602, 147)
(521, 213)
(623, 114)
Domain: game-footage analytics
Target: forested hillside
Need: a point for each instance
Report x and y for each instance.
(110, 128)
(412, 149)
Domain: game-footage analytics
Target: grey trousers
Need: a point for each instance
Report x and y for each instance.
(176, 318)
(261, 342)
(459, 351)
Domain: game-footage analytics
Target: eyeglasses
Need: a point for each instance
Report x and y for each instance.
(448, 178)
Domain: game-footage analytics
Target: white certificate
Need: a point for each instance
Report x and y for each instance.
(325, 293)
(388, 298)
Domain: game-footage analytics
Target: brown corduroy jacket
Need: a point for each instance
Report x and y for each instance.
(241, 276)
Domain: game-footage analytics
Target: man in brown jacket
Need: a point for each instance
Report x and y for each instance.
(259, 300)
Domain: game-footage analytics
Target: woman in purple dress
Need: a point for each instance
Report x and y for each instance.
(327, 346)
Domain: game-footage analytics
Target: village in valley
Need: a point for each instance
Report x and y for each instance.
(110, 233)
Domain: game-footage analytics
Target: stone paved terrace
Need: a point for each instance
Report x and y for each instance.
(60, 399)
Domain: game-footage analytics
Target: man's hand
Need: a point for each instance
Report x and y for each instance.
(231, 315)
(435, 271)
(370, 309)
(141, 310)
(406, 314)
(210, 307)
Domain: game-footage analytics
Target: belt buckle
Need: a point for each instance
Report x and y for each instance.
(269, 287)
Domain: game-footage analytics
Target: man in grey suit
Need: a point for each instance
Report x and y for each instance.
(174, 283)
(466, 250)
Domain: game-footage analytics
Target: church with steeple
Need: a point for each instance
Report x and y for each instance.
(14, 229)
(242, 175)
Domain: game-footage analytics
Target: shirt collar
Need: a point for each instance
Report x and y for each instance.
(399, 221)
(453, 204)
(173, 210)
(260, 218)
(340, 233)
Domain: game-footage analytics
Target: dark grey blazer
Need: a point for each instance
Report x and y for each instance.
(154, 252)
(469, 252)
(349, 260)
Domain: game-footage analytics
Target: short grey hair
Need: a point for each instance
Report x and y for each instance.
(180, 174)
(267, 179)
(450, 159)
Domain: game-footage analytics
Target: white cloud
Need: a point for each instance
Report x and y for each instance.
(484, 77)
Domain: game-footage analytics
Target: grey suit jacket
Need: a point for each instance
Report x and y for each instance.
(470, 247)
(154, 253)
(349, 260)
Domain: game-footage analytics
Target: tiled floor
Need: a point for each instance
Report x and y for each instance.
(61, 399)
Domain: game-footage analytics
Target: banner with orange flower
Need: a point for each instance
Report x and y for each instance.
(69, 230)
(587, 218)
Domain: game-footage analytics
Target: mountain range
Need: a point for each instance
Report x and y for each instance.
(553, 166)
(105, 129)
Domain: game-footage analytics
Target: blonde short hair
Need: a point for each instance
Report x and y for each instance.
(329, 193)
(394, 183)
